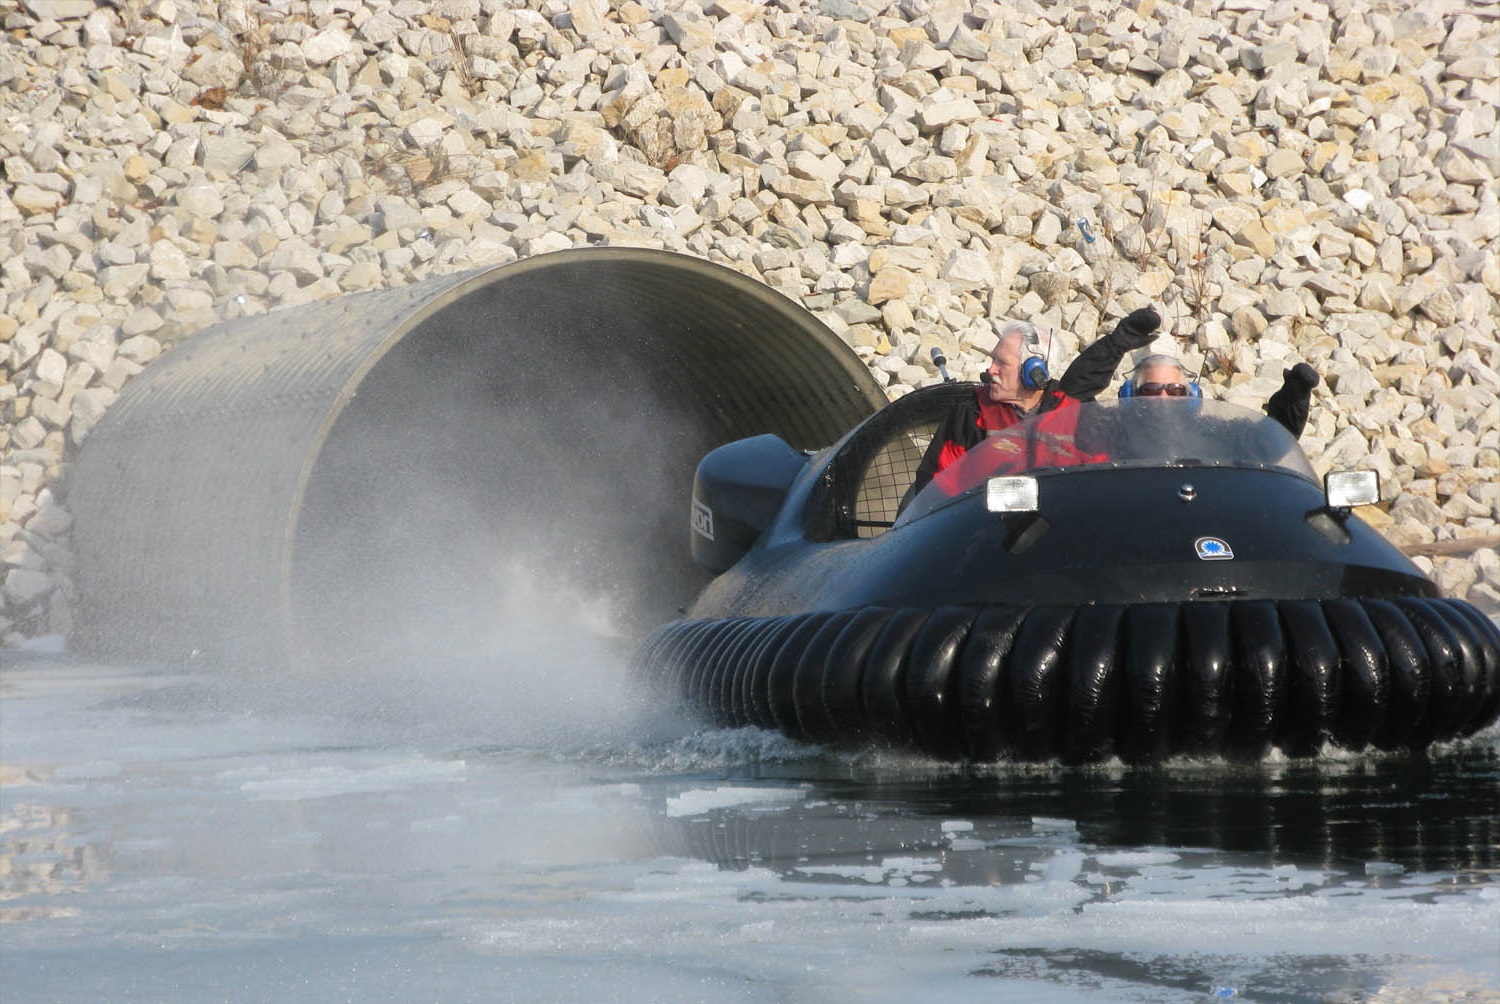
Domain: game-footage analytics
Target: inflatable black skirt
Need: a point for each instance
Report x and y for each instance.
(1083, 684)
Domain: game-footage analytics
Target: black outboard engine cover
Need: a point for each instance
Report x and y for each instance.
(736, 494)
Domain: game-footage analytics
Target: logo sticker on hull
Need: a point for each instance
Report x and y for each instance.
(703, 519)
(1213, 549)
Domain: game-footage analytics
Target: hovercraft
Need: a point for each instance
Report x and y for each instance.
(1136, 578)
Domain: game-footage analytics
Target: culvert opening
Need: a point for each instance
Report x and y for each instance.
(396, 474)
(472, 472)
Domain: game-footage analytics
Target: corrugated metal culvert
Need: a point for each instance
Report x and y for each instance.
(360, 477)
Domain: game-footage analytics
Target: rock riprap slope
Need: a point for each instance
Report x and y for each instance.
(1310, 180)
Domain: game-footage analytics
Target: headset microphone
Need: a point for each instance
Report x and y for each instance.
(941, 362)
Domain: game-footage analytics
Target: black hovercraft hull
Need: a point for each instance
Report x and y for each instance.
(1143, 682)
(1140, 611)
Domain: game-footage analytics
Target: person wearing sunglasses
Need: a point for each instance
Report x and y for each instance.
(1161, 376)
(1164, 376)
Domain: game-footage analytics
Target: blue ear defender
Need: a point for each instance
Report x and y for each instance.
(1034, 373)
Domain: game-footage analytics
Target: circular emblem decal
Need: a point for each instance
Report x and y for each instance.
(1213, 549)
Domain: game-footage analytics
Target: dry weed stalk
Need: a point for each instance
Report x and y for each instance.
(1145, 251)
(445, 27)
(265, 73)
(1147, 247)
(1104, 271)
(1197, 281)
(407, 171)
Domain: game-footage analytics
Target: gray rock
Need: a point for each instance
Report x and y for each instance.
(59, 10)
(224, 155)
(325, 46)
(297, 258)
(25, 586)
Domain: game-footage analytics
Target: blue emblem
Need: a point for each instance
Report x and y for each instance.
(1213, 549)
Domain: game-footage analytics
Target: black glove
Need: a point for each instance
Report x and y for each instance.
(1138, 329)
(1291, 403)
(1300, 375)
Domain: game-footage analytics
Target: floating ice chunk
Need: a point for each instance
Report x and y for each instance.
(960, 835)
(695, 803)
(1063, 867)
(297, 782)
(1136, 859)
(1298, 878)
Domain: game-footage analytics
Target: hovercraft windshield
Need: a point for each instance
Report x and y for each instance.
(1131, 433)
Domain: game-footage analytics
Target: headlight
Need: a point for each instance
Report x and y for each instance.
(1344, 489)
(1011, 494)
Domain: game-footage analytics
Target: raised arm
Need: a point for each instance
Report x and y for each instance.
(1095, 366)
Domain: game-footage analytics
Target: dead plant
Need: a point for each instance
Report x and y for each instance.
(445, 27)
(261, 70)
(1101, 294)
(1197, 281)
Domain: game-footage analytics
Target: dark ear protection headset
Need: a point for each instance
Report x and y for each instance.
(1034, 373)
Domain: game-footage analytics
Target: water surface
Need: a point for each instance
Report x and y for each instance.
(168, 836)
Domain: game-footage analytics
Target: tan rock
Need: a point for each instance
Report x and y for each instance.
(1248, 146)
(1255, 236)
(890, 283)
(802, 191)
(34, 201)
(1283, 164)
(1378, 292)
(913, 258)
(1247, 323)
(1053, 287)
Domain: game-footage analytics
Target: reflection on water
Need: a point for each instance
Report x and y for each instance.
(42, 853)
(1195, 880)
(1180, 872)
(1380, 815)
